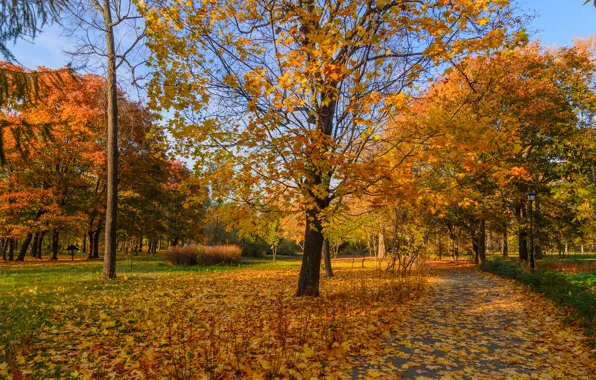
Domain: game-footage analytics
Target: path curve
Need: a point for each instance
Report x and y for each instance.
(478, 326)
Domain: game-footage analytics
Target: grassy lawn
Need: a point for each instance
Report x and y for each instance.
(155, 320)
(578, 269)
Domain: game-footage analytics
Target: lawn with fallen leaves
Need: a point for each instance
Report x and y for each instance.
(158, 321)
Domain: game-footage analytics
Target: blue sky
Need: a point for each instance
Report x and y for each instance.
(558, 22)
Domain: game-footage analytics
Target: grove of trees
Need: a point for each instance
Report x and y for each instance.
(387, 127)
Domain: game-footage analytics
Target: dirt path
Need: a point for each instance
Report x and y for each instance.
(474, 325)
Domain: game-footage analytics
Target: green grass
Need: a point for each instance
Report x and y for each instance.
(30, 291)
(573, 292)
(586, 280)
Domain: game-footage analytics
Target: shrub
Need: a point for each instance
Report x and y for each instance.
(256, 248)
(219, 254)
(188, 255)
(287, 248)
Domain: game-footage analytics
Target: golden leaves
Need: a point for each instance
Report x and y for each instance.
(238, 322)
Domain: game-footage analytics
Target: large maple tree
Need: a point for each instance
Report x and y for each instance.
(296, 93)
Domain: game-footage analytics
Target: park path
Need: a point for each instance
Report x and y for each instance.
(478, 326)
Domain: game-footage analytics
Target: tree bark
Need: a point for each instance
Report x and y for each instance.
(327, 258)
(475, 247)
(84, 243)
(482, 243)
(4, 246)
(42, 235)
(34, 245)
(11, 244)
(96, 241)
(90, 233)
(381, 247)
(523, 244)
(55, 245)
(310, 271)
(24, 247)
(505, 244)
(109, 266)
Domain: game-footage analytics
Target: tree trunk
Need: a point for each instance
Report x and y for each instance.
(327, 259)
(310, 271)
(381, 247)
(34, 245)
(25, 247)
(42, 235)
(11, 245)
(90, 233)
(274, 251)
(475, 247)
(84, 243)
(505, 244)
(523, 244)
(109, 266)
(482, 243)
(3, 248)
(55, 241)
(96, 241)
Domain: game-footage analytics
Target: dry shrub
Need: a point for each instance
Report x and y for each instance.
(188, 255)
(220, 254)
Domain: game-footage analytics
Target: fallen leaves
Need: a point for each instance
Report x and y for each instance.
(241, 323)
(475, 326)
(246, 323)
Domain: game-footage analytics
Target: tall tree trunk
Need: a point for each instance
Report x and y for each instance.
(475, 246)
(310, 271)
(3, 248)
(91, 245)
(11, 244)
(327, 258)
(109, 266)
(84, 243)
(55, 243)
(34, 245)
(505, 243)
(25, 247)
(381, 247)
(523, 244)
(42, 235)
(96, 241)
(482, 243)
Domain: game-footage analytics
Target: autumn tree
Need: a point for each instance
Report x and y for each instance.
(46, 176)
(108, 20)
(300, 91)
(509, 123)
